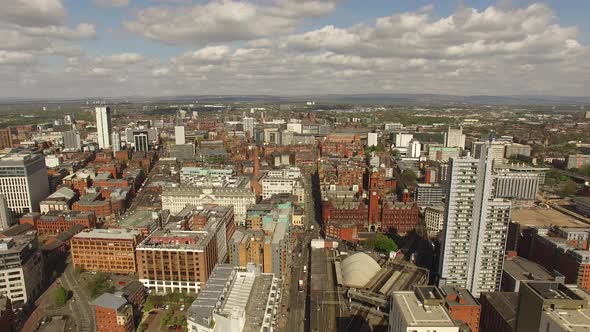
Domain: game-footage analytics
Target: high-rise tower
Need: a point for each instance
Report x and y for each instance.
(103, 126)
(476, 226)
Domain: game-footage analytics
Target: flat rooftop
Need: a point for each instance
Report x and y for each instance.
(201, 310)
(138, 219)
(570, 320)
(523, 269)
(256, 307)
(505, 303)
(111, 233)
(418, 315)
(543, 217)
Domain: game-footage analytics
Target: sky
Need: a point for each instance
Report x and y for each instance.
(118, 48)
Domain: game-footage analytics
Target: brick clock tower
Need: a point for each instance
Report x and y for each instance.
(374, 197)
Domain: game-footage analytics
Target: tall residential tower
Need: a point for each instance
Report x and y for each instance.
(476, 226)
(103, 126)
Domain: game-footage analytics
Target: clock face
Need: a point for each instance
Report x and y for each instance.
(374, 193)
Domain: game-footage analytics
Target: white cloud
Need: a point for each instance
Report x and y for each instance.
(120, 59)
(82, 31)
(492, 51)
(223, 21)
(35, 13)
(209, 54)
(112, 3)
(15, 58)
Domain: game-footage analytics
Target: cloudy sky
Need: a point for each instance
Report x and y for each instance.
(94, 48)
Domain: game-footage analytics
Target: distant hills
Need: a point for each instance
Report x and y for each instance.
(418, 99)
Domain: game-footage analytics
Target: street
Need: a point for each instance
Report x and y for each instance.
(80, 302)
(298, 303)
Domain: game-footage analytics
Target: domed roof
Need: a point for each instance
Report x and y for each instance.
(358, 269)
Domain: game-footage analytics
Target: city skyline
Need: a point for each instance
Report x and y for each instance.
(117, 48)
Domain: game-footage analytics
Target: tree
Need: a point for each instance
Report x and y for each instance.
(99, 285)
(382, 243)
(569, 188)
(408, 178)
(60, 295)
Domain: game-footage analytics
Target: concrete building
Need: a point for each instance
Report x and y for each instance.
(414, 149)
(517, 186)
(476, 226)
(113, 313)
(105, 250)
(179, 136)
(6, 219)
(71, 140)
(248, 124)
(498, 311)
(21, 266)
(23, 181)
(372, 139)
(551, 306)
(140, 141)
(517, 270)
(184, 152)
(578, 161)
(434, 218)
(287, 181)
(393, 126)
(421, 310)
(61, 200)
(103, 126)
(583, 205)
(515, 149)
(498, 149)
(240, 197)
(180, 259)
(235, 300)
(454, 137)
(116, 141)
(442, 153)
(402, 140)
(428, 194)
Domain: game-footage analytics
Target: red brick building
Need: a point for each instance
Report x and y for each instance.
(345, 212)
(342, 145)
(557, 253)
(399, 216)
(113, 314)
(462, 306)
(346, 232)
(54, 222)
(95, 203)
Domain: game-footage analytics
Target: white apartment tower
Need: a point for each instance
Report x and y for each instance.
(103, 126)
(414, 149)
(23, 181)
(116, 140)
(454, 137)
(179, 137)
(372, 139)
(248, 124)
(476, 226)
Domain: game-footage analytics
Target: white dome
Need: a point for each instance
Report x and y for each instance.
(358, 269)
